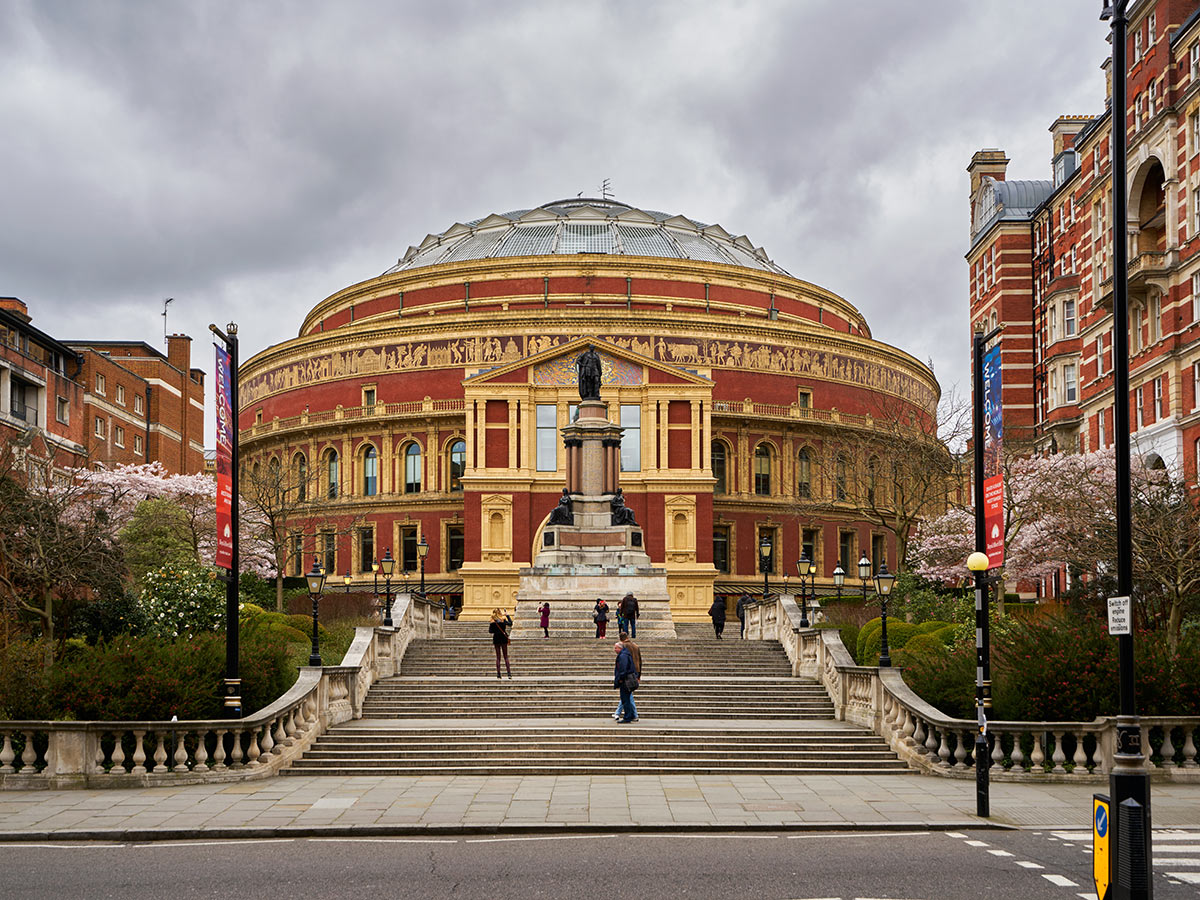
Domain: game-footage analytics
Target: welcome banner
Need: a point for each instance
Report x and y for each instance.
(225, 426)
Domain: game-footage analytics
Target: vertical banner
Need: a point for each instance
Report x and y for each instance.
(993, 477)
(225, 426)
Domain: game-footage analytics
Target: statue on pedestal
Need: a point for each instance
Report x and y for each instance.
(587, 365)
(562, 514)
(621, 514)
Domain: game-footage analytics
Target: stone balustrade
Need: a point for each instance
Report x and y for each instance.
(937, 744)
(53, 754)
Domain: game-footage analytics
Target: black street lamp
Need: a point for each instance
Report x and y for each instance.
(803, 567)
(346, 580)
(978, 563)
(839, 578)
(422, 552)
(864, 573)
(316, 583)
(764, 556)
(883, 587)
(387, 565)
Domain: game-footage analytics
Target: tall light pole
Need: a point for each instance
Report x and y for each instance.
(883, 587)
(978, 563)
(422, 552)
(387, 565)
(764, 558)
(316, 583)
(232, 686)
(803, 567)
(1129, 782)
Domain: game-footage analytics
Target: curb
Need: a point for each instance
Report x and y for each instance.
(146, 835)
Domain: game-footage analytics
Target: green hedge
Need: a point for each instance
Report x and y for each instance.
(899, 633)
(848, 632)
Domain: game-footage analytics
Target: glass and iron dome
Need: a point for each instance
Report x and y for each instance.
(586, 225)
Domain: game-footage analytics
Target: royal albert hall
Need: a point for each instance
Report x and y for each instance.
(424, 406)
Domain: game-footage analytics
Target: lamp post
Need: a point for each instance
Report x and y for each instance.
(839, 578)
(387, 565)
(228, 451)
(375, 574)
(883, 587)
(764, 555)
(316, 583)
(803, 567)
(978, 563)
(346, 580)
(422, 552)
(864, 573)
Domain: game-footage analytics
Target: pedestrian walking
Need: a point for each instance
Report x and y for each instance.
(544, 611)
(743, 601)
(625, 680)
(499, 627)
(600, 616)
(628, 611)
(636, 652)
(717, 612)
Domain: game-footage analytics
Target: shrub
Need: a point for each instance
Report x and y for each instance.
(107, 617)
(183, 599)
(947, 634)
(931, 626)
(848, 633)
(24, 687)
(943, 677)
(864, 634)
(899, 634)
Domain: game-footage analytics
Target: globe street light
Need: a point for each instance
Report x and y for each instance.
(839, 578)
(883, 587)
(764, 555)
(422, 552)
(387, 565)
(316, 583)
(803, 567)
(864, 573)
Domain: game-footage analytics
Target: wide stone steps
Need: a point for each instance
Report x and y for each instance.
(606, 749)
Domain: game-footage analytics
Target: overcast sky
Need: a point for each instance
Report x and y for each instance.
(249, 159)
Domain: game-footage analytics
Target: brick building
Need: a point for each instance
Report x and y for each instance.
(426, 404)
(109, 403)
(1040, 259)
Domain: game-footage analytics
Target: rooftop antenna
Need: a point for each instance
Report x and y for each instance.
(166, 303)
(606, 189)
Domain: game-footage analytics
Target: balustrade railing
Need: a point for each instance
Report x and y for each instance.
(41, 754)
(935, 743)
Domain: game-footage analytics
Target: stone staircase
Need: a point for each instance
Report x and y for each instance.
(706, 706)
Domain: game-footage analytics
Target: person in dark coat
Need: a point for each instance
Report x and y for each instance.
(622, 671)
(717, 613)
(600, 616)
(544, 612)
(627, 609)
(498, 628)
(636, 652)
(743, 601)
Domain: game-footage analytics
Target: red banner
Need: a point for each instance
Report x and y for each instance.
(993, 520)
(993, 471)
(225, 425)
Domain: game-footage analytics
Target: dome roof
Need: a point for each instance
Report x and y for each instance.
(586, 225)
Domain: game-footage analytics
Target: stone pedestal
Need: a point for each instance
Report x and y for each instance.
(593, 451)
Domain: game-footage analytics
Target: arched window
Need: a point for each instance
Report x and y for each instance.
(718, 467)
(804, 473)
(331, 474)
(841, 471)
(370, 472)
(300, 468)
(412, 468)
(762, 470)
(458, 464)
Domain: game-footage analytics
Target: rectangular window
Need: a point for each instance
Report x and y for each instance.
(1053, 388)
(118, 435)
(137, 444)
(1194, 132)
(368, 396)
(878, 550)
(121, 394)
(409, 559)
(721, 548)
(99, 383)
(1053, 317)
(1139, 413)
(62, 410)
(366, 549)
(631, 440)
(804, 399)
(455, 547)
(1155, 318)
(297, 554)
(547, 437)
(1137, 45)
(767, 565)
(1101, 437)
(1069, 383)
(1150, 29)
(329, 552)
(137, 404)
(809, 546)
(1190, 307)
(847, 558)
(1158, 398)
(98, 431)
(1196, 385)
(1195, 211)
(1068, 318)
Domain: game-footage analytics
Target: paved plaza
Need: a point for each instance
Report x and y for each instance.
(364, 805)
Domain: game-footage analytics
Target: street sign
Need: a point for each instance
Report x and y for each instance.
(1120, 621)
(1100, 840)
